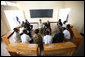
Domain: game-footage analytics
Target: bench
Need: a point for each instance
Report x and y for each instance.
(77, 36)
(20, 49)
(59, 49)
(67, 47)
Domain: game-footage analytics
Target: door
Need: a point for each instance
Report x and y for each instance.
(64, 14)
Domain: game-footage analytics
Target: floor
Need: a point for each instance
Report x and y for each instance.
(79, 51)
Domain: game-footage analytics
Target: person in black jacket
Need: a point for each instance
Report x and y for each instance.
(47, 27)
(27, 24)
(59, 22)
(58, 37)
(28, 27)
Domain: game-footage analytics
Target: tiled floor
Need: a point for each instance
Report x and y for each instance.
(4, 52)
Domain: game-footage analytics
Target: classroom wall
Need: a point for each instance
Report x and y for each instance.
(76, 17)
(4, 23)
(26, 6)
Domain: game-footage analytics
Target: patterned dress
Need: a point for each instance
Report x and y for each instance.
(38, 40)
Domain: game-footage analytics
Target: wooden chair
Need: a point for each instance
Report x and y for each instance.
(59, 49)
(6, 37)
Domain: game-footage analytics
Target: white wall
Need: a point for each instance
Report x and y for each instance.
(76, 17)
(26, 6)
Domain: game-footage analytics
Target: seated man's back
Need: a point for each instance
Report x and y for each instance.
(58, 37)
(48, 38)
(24, 37)
(66, 34)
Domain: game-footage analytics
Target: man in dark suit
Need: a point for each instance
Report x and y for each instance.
(58, 37)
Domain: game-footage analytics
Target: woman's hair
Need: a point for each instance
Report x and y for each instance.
(36, 31)
(15, 30)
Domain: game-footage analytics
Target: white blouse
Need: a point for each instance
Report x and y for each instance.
(47, 39)
(25, 38)
(66, 34)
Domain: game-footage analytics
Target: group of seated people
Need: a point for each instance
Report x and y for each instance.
(25, 36)
(43, 27)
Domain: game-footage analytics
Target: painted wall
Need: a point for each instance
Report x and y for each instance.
(26, 6)
(76, 17)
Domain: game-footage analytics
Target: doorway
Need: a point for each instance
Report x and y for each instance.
(14, 17)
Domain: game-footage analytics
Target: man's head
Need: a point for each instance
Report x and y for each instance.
(36, 31)
(63, 28)
(64, 22)
(22, 22)
(47, 21)
(68, 26)
(15, 30)
(59, 20)
(40, 20)
(24, 31)
(47, 32)
(60, 30)
(26, 20)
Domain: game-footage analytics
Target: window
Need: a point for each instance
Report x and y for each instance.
(64, 14)
(3, 3)
(11, 4)
(8, 3)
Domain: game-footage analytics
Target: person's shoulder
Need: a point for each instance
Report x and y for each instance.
(44, 36)
(26, 35)
(64, 31)
(49, 35)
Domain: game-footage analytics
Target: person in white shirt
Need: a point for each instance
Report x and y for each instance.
(40, 24)
(66, 34)
(25, 38)
(40, 27)
(21, 29)
(47, 38)
(64, 24)
(16, 35)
